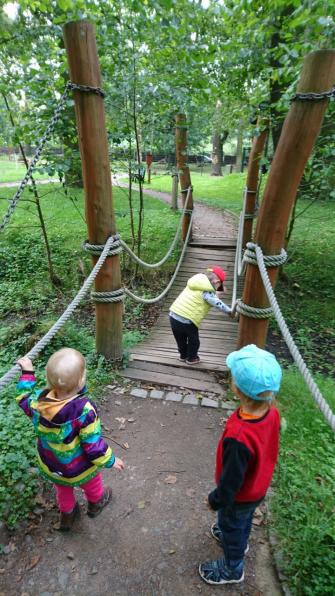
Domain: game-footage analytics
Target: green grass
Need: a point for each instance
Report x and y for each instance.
(11, 171)
(225, 192)
(303, 515)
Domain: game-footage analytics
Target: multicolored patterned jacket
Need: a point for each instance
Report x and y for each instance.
(69, 443)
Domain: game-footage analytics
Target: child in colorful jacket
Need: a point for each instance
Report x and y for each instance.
(246, 456)
(70, 448)
(191, 306)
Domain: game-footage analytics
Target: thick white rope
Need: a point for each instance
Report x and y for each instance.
(157, 298)
(316, 393)
(174, 242)
(12, 373)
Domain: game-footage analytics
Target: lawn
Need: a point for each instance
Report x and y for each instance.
(12, 171)
(225, 192)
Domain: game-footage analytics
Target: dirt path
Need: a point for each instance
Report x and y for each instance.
(207, 220)
(153, 536)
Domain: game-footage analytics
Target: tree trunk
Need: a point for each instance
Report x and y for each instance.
(239, 148)
(217, 154)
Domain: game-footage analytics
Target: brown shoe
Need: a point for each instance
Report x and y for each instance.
(66, 520)
(94, 509)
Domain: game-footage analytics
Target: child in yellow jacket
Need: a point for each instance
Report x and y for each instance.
(191, 306)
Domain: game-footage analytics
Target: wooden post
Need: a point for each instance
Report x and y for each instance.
(148, 160)
(252, 179)
(84, 69)
(183, 169)
(301, 128)
(174, 195)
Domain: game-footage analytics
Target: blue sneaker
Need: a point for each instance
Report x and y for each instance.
(217, 573)
(216, 533)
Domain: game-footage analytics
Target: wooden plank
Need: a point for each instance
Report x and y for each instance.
(208, 365)
(217, 242)
(219, 359)
(181, 371)
(175, 381)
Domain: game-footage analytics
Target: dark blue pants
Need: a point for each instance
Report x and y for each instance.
(235, 524)
(187, 338)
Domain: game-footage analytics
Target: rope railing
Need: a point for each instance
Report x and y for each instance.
(43, 342)
(119, 244)
(315, 391)
(160, 296)
(173, 244)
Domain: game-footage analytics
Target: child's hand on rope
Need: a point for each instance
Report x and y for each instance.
(25, 364)
(118, 465)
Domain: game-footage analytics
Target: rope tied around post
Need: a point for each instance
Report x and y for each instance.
(113, 296)
(253, 312)
(96, 249)
(269, 260)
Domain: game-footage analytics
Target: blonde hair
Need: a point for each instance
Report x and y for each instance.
(65, 370)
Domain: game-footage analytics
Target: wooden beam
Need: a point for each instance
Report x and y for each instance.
(84, 69)
(183, 169)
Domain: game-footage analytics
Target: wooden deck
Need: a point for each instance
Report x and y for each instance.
(155, 360)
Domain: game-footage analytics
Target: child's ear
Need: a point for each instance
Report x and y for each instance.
(83, 379)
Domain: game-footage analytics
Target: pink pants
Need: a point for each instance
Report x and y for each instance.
(93, 489)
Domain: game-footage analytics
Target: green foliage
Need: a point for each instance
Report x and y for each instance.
(303, 503)
(19, 475)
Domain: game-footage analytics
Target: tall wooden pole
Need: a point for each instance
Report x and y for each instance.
(252, 180)
(183, 169)
(84, 69)
(174, 195)
(301, 128)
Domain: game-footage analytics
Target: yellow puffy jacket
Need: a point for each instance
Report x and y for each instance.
(190, 303)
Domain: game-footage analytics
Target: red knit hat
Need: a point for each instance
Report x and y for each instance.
(218, 272)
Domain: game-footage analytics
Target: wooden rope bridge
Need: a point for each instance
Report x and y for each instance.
(156, 359)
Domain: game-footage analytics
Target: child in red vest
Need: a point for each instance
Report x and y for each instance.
(245, 460)
(202, 291)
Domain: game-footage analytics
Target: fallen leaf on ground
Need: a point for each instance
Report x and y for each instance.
(170, 480)
(190, 492)
(141, 504)
(117, 403)
(121, 419)
(125, 445)
(257, 521)
(33, 562)
(40, 500)
(172, 551)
